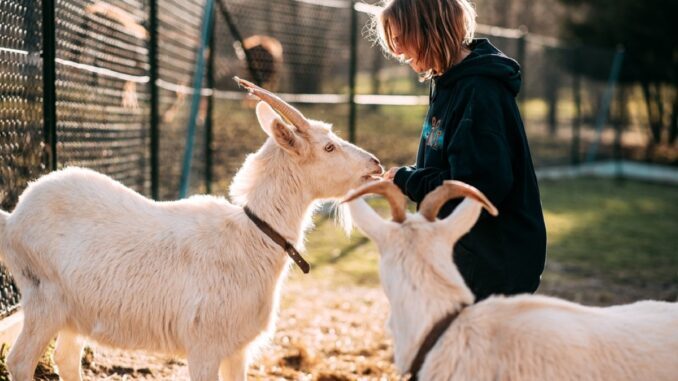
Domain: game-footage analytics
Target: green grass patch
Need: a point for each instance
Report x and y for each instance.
(619, 231)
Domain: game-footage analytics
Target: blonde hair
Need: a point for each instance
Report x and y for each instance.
(438, 30)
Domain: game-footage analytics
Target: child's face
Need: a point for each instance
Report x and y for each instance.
(407, 53)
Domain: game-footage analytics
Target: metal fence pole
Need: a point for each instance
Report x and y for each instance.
(210, 109)
(155, 114)
(618, 129)
(198, 77)
(49, 80)
(352, 73)
(522, 57)
(576, 95)
(601, 118)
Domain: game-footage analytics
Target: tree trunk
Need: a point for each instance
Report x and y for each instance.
(673, 126)
(551, 86)
(653, 113)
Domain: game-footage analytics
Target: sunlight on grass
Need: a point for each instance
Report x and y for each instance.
(621, 231)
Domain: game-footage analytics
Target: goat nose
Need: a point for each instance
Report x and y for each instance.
(376, 162)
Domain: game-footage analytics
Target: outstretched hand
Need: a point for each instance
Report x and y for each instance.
(390, 174)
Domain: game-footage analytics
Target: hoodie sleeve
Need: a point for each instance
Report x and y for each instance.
(477, 153)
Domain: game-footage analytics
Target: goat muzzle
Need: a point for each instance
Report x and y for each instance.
(451, 189)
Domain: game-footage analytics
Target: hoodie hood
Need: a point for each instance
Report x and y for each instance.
(484, 60)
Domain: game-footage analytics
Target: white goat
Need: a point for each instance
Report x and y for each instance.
(526, 337)
(194, 277)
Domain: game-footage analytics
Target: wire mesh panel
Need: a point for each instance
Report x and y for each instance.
(311, 36)
(20, 98)
(21, 153)
(294, 47)
(562, 106)
(102, 88)
(597, 113)
(178, 39)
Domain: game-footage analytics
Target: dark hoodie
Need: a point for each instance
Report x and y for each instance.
(473, 132)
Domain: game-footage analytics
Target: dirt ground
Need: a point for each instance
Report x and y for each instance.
(323, 334)
(338, 334)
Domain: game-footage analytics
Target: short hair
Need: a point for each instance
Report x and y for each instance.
(438, 30)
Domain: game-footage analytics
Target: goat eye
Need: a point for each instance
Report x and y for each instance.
(329, 147)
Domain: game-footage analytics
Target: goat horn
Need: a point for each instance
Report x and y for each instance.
(290, 113)
(387, 189)
(452, 189)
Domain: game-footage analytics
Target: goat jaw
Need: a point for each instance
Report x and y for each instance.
(374, 175)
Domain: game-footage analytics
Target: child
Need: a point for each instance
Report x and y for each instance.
(473, 132)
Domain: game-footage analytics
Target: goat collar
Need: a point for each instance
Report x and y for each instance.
(431, 339)
(280, 240)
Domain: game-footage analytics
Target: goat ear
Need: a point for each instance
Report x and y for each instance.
(285, 137)
(274, 127)
(266, 115)
(367, 220)
(462, 219)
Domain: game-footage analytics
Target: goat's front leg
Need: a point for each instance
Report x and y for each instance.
(39, 328)
(234, 367)
(202, 365)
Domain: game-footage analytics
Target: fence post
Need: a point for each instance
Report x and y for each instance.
(352, 73)
(198, 77)
(155, 115)
(210, 109)
(601, 118)
(618, 129)
(576, 95)
(522, 56)
(49, 81)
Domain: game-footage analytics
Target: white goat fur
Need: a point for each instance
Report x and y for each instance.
(193, 277)
(526, 337)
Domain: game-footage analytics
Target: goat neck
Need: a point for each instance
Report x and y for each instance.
(419, 302)
(408, 342)
(272, 187)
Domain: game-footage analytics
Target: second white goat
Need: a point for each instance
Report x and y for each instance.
(526, 337)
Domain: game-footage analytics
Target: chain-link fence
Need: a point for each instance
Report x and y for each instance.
(21, 122)
(123, 86)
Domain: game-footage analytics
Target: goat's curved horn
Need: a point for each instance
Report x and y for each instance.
(451, 189)
(387, 189)
(290, 113)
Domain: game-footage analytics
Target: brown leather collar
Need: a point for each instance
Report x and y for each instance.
(430, 341)
(280, 240)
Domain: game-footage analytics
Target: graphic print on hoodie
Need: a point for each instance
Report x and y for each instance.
(433, 133)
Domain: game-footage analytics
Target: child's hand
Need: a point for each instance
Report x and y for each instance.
(390, 174)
